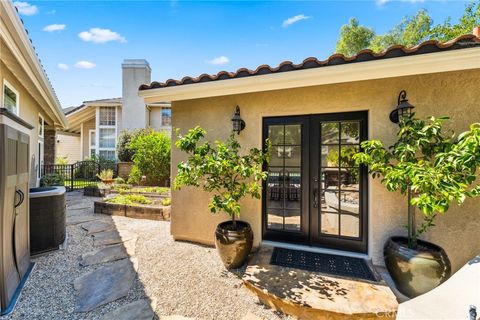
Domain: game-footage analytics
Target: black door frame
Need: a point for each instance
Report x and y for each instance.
(310, 169)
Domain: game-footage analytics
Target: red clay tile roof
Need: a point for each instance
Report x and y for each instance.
(431, 46)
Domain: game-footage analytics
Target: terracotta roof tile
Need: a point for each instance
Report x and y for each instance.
(430, 46)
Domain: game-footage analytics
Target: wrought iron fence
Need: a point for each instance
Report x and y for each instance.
(80, 174)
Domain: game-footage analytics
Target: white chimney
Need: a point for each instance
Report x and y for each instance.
(135, 72)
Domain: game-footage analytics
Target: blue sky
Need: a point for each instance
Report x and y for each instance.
(82, 44)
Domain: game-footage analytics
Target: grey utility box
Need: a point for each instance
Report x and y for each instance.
(15, 265)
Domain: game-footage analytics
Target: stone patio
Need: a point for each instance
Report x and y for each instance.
(310, 295)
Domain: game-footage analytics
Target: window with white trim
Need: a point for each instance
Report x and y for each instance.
(107, 116)
(41, 126)
(166, 116)
(10, 98)
(91, 143)
(107, 132)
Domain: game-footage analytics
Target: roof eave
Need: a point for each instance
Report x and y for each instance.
(32, 64)
(444, 61)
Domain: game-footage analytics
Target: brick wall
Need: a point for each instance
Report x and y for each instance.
(49, 146)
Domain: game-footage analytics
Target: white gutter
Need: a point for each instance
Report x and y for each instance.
(33, 69)
(454, 60)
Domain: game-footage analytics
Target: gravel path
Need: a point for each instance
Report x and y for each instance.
(178, 278)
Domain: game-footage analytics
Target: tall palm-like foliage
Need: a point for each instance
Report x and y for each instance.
(432, 168)
(221, 170)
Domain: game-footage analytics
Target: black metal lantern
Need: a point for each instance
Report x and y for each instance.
(238, 123)
(403, 109)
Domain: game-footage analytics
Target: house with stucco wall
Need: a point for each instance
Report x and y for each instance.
(95, 125)
(26, 91)
(311, 111)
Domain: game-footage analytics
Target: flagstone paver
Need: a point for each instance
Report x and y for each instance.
(97, 226)
(138, 310)
(103, 285)
(109, 253)
(74, 220)
(112, 237)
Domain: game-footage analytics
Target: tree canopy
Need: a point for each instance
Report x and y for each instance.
(409, 32)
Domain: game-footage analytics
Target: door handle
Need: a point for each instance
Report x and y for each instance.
(21, 196)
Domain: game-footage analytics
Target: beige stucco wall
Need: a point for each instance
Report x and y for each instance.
(156, 121)
(455, 94)
(87, 125)
(29, 112)
(68, 146)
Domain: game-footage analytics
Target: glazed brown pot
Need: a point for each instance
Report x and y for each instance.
(416, 271)
(233, 244)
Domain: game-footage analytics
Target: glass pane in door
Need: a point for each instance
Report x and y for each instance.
(340, 183)
(283, 187)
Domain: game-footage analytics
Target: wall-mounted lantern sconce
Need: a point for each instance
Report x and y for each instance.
(238, 123)
(403, 109)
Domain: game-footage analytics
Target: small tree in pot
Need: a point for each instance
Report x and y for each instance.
(433, 169)
(220, 170)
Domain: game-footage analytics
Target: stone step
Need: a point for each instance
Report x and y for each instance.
(109, 253)
(104, 285)
(97, 226)
(312, 295)
(138, 310)
(77, 219)
(112, 237)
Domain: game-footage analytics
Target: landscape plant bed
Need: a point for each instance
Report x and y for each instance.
(152, 192)
(95, 191)
(125, 205)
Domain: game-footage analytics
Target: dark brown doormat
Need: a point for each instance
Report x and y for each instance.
(321, 262)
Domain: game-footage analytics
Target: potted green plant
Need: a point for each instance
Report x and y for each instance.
(229, 177)
(106, 175)
(432, 169)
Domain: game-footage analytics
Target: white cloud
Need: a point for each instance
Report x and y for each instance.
(26, 8)
(98, 35)
(62, 66)
(54, 27)
(83, 64)
(51, 12)
(294, 19)
(219, 61)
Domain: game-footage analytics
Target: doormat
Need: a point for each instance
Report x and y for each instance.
(321, 262)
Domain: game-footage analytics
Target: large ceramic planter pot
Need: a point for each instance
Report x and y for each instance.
(233, 244)
(416, 271)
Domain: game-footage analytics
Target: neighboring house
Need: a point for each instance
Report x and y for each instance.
(26, 90)
(95, 125)
(310, 111)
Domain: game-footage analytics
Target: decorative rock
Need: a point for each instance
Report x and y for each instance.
(97, 226)
(73, 220)
(109, 253)
(103, 285)
(251, 316)
(112, 237)
(138, 310)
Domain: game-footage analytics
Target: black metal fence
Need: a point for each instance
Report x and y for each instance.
(79, 174)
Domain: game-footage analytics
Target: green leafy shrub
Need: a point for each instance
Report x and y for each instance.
(119, 180)
(129, 199)
(221, 170)
(432, 168)
(166, 202)
(125, 151)
(61, 160)
(52, 179)
(151, 158)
